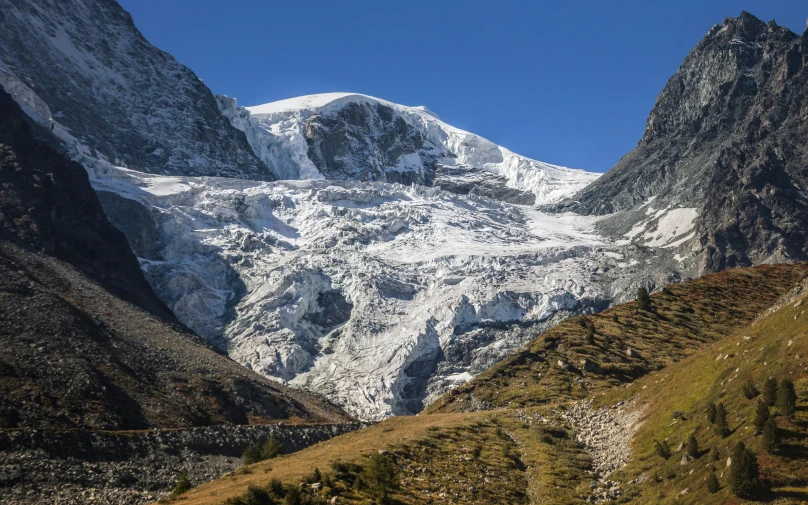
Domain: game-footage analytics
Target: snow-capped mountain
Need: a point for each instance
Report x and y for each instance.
(399, 255)
(349, 136)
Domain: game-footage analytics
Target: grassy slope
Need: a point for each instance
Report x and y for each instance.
(685, 317)
(705, 377)
(520, 461)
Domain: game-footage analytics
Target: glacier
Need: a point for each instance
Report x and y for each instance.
(380, 296)
(372, 276)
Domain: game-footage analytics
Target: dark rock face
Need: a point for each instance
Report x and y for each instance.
(363, 141)
(119, 96)
(727, 137)
(84, 342)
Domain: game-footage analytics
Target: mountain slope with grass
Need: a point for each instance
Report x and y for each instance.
(553, 435)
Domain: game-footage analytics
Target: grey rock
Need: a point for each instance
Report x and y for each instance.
(105, 85)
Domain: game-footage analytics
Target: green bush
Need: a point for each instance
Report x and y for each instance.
(183, 484)
(749, 389)
(744, 471)
(261, 451)
(378, 478)
(786, 398)
(761, 415)
(770, 391)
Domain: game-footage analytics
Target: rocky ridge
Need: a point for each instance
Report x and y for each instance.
(83, 70)
(723, 143)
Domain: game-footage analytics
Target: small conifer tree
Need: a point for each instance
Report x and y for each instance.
(662, 449)
(786, 398)
(712, 483)
(692, 446)
(714, 454)
(711, 413)
(590, 332)
(761, 415)
(771, 438)
(770, 391)
(721, 425)
(744, 472)
(749, 389)
(183, 484)
(644, 299)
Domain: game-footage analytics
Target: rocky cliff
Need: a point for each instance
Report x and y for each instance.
(726, 141)
(82, 69)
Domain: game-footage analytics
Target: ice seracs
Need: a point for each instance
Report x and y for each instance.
(378, 295)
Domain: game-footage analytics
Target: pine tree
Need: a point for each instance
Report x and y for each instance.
(183, 484)
(714, 454)
(770, 391)
(590, 332)
(761, 415)
(711, 413)
(771, 438)
(749, 389)
(692, 446)
(712, 483)
(743, 474)
(786, 398)
(644, 299)
(721, 426)
(662, 449)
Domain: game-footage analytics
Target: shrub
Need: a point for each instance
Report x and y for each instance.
(749, 389)
(761, 415)
(770, 391)
(712, 483)
(183, 484)
(378, 478)
(261, 451)
(692, 446)
(275, 487)
(662, 449)
(644, 299)
(771, 438)
(615, 318)
(314, 476)
(292, 496)
(714, 454)
(743, 474)
(711, 413)
(721, 426)
(475, 453)
(786, 398)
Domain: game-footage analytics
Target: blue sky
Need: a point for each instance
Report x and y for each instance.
(566, 82)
